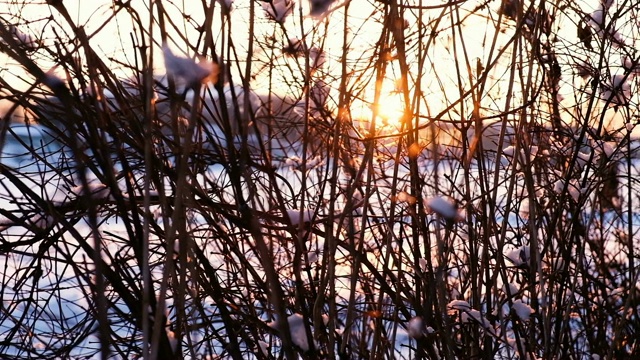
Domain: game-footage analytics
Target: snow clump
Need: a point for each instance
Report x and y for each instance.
(187, 69)
(523, 310)
(443, 207)
(519, 256)
(297, 329)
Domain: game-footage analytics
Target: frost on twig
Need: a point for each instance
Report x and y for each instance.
(188, 70)
(93, 190)
(416, 327)
(38, 220)
(519, 256)
(600, 23)
(24, 40)
(618, 91)
(297, 216)
(278, 10)
(443, 207)
(522, 310)
(296, 163)
(297, 329)
(470, 315)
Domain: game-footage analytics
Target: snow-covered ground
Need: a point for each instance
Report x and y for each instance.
(47, 299)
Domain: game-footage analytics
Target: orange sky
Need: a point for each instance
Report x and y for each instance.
(438, 81)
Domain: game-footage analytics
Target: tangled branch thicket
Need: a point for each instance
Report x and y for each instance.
(396, 179)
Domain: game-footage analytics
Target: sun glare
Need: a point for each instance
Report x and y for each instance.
(390, 110)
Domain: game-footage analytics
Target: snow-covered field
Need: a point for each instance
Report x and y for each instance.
(48, 300)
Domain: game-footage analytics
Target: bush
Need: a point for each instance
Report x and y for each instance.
(396, 180)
